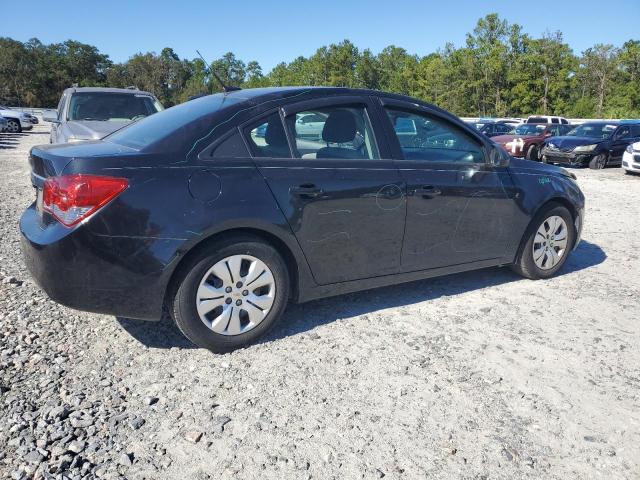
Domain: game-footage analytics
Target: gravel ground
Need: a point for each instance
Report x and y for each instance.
(481, 375)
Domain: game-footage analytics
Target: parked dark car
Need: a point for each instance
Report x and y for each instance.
(596, 144)
(525, 139)
(492, 128)
(191, 212)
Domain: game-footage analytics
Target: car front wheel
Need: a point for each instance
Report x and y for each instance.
(231, 294)
(548, 241)
(13, 126)
(598, 162)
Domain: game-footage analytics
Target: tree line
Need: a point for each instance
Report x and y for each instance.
(500, 71)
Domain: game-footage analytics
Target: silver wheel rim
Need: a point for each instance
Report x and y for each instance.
(13, 127)
(600, 161)
(550, 242)
(235, 295)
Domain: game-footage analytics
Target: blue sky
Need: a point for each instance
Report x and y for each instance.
(271, 31)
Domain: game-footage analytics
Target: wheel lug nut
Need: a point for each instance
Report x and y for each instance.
(245, 292)
(228, 301)
(238, 302)
(228, 289)
(239, 284)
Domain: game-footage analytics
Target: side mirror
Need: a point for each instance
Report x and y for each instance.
(50, 116)
(498, 157)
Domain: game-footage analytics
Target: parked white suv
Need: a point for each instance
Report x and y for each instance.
(16, 121)
(631, 158)
(546, 119)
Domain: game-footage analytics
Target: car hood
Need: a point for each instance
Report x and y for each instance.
(520, 165)
(510, 138)
(93, 130)
(570, 142)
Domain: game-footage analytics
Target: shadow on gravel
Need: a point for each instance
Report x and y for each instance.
(301, 318)
(7, 141)
(162, 334)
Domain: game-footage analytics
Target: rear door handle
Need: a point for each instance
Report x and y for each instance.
(306, 191)
(427, 191)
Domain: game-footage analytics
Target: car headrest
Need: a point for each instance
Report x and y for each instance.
(340, 127)
(275, 136)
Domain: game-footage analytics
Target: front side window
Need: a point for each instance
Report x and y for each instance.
(433, 139)
(267, 138)
(342, 131)
(623, 132)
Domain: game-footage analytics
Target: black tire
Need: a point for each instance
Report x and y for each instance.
(183, 307)
(524, 264)
(532, 153)
(13, 126)
(598, 162)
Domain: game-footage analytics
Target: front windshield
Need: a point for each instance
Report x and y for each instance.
(528, 129)
(111, 107)
(593, 130)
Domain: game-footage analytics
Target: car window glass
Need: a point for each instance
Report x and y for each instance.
(232, 147)
(433, 139)
(505, 128)
(333, 132)
(623, 132)
(555, 120)
(635, 130)
(267, 138)
(60, 105)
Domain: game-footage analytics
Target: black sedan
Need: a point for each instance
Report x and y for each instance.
(593, 144)
(220, 211)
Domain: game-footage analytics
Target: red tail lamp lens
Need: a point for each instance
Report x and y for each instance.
(72, 198)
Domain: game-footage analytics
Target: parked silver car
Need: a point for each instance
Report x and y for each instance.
(17, 121)
(91, 113)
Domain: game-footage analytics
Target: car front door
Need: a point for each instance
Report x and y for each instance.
(457, 208)
(623, 136)
(341, 193)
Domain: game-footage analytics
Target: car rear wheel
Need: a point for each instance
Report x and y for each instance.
(13, 126)
(547, 243)
(532, 153)
(598, 162)
(231, 294)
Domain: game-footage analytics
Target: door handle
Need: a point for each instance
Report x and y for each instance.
(306, 191)
(427, 191)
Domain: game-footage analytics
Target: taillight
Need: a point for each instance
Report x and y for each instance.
(72, 198)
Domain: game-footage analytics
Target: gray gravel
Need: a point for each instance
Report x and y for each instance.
(483, 375)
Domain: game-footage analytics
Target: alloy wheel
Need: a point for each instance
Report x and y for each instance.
(13, 126)
(550, 242)
(235, 295)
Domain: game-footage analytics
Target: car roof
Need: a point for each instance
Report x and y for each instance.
(266, 94)
(132, 91)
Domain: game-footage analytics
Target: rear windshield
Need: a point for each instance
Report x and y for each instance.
(175, 127)
(111, 107)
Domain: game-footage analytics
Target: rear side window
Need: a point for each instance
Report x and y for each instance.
(267, 138)
(555, 120)
(232, 147)
(333, 132)
(536, 120)
(433, 139)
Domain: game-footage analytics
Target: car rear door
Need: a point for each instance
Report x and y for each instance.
(341, 193)
(457, 208)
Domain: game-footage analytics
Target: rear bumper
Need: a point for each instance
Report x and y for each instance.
(91, 272)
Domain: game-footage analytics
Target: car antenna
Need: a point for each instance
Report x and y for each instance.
(225, 88)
